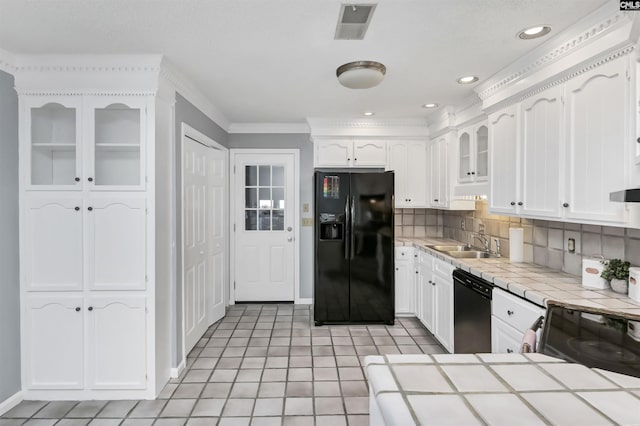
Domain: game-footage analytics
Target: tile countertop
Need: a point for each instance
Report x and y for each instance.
(498, 389)
(537, 284)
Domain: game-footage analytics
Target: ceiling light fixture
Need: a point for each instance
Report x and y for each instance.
(431, 105)
(361, 74)
(368, 113)
(534, 32)
(467, 79)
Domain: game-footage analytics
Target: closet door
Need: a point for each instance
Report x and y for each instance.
(53, 244)
(116, 243)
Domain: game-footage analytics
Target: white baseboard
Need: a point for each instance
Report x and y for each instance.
(177, 371)
(305, 301)
(10, 402)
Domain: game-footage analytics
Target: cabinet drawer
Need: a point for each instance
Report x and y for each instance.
(514, 311)
(504, 338)
(443, 268)
(404, 253)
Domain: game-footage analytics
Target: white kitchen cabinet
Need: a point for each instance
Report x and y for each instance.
(503, 164)
(436, 298)
(428, 302)
(511, 316)
(73, 142)
(439, 196)
(115, 243)
(404, 281)
(53, 350)
(473, 154)
(52, 244)
(597, 121)
(349, 153)
(116, 346)
(407, 159)
(542, 154)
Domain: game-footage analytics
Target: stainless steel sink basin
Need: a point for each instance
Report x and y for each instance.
(451, 248)
(471, 254)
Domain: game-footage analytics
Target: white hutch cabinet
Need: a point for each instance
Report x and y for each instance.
(87, 145)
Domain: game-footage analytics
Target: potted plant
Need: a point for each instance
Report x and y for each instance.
(616, 271)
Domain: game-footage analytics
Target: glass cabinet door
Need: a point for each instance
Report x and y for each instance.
(464, 167)
(482, 153)
(53, 154)
(117, 157)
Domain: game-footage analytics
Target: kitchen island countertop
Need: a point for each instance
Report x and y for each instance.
(497, 389)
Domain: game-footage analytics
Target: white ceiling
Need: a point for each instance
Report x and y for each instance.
(274, 61)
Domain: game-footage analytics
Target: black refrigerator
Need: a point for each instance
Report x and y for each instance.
(354, 248)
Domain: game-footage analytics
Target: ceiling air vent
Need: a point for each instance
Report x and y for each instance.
(353, 21)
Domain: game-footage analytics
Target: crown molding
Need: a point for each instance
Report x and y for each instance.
(7, 62)
(269, 128)
(191, 93)
(391, 127)
(603, 23)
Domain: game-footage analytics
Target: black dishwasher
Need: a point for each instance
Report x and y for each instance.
(471, 313)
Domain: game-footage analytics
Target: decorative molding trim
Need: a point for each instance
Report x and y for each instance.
(7, 62)
(11, 402)
(143, 63)
(568, 76)
(175, 372)
(604, 25)
(191, 93)
(304, 301)
(58, 92)
(269, 128)
(401, 127)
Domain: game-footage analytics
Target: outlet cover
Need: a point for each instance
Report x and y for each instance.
(305, 208)
(307, 221)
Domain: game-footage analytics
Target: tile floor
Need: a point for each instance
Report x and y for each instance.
(260, 365)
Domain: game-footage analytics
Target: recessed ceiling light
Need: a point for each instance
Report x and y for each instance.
(468, 79)
(368, 113)
(431, 105)
(534, 32)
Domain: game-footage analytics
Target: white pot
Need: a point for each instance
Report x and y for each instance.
(620, 286)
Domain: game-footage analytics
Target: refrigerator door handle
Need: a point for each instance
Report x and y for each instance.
(346, 229)
(353, 226)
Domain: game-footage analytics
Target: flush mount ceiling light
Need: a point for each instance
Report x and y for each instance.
(467, 79)
(368, 113)
(534, 32)
(361, 74)
(431, 105)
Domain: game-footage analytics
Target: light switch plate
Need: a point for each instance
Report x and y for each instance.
(307, 221)
(305, 207)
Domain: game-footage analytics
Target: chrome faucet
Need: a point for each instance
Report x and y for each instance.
(486, 244)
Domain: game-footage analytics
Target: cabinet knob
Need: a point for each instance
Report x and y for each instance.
(397, 269)
(473, 173)
(509, 351)
(90, 308)
(513, 203)
(76, 208)
(436, 200)
(429, 281)
(416, 272)
(638, 140)
(77, 179)
(409, 199)
(348, 159)
(90, 208)
(468, 173)
(77, 308)
(509, 312)
(433, 283)
(520, 203)
(355, 159)
(565, 205)
(90, 179)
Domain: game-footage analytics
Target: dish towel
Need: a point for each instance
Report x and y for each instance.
(528, 342)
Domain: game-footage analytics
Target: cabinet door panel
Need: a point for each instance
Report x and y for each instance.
(427, 293)
(116, 342)
(335, 153)
(481, 154)
(416, 185)
(504, 339)
(444, 311)
(53, 244)
(542, 154)
(597, 108)
(369, 153)
(116, 234)
(438, 192)
(53, 344)
(464, 160)
(404, 288)
(503, 154)
(397, 161)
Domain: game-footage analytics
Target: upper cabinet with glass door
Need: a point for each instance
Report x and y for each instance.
(116, 156)
(473, 154)
(53, 152)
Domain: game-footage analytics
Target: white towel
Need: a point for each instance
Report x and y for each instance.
(528, 342)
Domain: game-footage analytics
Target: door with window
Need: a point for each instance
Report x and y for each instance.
(265, 226)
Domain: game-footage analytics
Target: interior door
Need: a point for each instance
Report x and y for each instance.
(265, 228)
(204, 181)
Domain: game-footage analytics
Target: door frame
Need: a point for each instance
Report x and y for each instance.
(188, 132)
(233, 153)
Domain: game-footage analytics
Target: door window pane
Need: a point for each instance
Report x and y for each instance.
(264, 198)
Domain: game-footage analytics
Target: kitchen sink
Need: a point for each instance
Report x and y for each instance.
(471, 254)
(451, 248)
